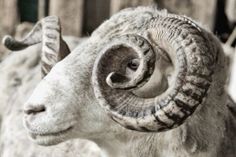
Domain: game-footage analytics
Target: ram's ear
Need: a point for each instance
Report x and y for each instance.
(47, 31)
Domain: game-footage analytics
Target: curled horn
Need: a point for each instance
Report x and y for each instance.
(193, 58)
(47, 31)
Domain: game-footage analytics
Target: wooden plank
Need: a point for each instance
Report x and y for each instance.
(9, 15)
(117, 5)
(8, 21)
(95, 12)
(201, 10)
(70, 13)
(41, 9)
(231, 10)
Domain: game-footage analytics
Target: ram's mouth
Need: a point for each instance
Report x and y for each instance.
(50, 138)
(58, 133)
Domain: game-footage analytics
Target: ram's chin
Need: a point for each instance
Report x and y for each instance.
(51, 138)
(46, 140)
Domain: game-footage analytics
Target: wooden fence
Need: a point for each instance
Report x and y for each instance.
(81, 17)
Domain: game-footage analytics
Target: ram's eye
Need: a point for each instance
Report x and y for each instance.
(133, 64)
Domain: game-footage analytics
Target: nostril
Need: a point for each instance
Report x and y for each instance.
(34, 109)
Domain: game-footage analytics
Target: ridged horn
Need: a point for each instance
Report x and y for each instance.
(47, 31)
(194, 62)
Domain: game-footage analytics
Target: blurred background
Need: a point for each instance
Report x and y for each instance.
(20, 72)
(81, 17)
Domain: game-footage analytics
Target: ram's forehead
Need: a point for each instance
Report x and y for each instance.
(127, 21)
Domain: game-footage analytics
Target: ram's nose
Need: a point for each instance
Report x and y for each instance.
(34, 109)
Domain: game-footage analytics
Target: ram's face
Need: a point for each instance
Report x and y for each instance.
(143, 69)
(63, 106)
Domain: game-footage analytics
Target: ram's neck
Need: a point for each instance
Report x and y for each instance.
(201, 135)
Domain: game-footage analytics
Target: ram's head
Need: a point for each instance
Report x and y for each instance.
(142, 70)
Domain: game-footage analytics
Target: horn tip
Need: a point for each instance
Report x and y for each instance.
(115, 80)
(108, 79)
(6, 40)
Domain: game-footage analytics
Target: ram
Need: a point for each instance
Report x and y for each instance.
(19, 75)
(146, 83)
